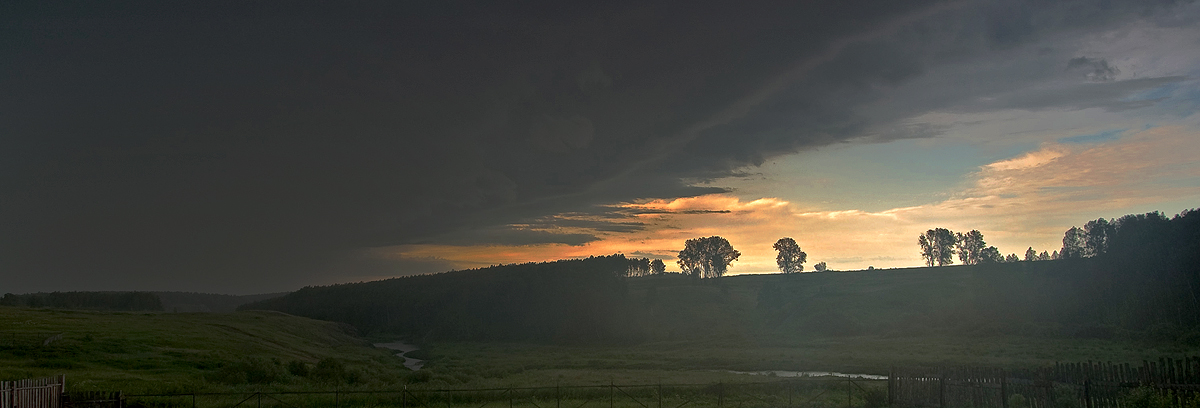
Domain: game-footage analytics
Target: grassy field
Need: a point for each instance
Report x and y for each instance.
(185, 352)
(492, 364)
(695, 332)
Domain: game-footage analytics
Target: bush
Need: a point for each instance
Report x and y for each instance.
(1190, 338)
(248, 371)
(1146, 397)
(419, 376)
(298, 368)
(329, 369)
(876, 397)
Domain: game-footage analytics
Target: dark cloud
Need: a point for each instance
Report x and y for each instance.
(1107, 95)
(250, 146)
(505, 235)
(1094, 69)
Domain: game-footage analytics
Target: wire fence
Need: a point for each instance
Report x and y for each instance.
(801, 392)
(1169, 382)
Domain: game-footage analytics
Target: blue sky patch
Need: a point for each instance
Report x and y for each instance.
(1105, 136)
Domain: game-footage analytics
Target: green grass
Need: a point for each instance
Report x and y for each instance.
(500, 364)
(185, 352)
(694, 333)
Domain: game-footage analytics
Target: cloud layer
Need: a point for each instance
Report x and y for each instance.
(243, 148)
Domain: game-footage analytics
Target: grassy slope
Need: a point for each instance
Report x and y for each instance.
(865, 321)
(842, 321)
(165, 352)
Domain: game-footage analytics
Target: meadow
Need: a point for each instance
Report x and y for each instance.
(673, 330)
(186, 352)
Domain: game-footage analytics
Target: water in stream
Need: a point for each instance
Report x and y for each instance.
(403, 348)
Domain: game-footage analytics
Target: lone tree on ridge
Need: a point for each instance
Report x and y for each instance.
(707, 257)
(790, 259)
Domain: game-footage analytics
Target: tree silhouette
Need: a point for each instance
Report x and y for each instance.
(1098, 233)
(1030, 255)
(1074, 244)
(990, 255)
(937, 246)
(638, 267)
(790, 259)
(707, 257)
(820, 266)
(1044, 256)
(970, 247)
(1012, 258)
(657, 267)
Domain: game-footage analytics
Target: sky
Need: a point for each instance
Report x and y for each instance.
(251, 147)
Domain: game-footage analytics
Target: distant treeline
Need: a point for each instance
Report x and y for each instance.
(561, 301)
(178, 302)
(187, 302)
(1141, 280)
(123, 301)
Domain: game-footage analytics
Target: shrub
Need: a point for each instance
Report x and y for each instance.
(1146, 397)
(298, 368)
(876, 397)
(248, 371)
(329, 369)
(419, 376)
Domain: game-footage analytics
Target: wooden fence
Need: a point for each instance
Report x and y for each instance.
(32, 393)
(1088, 385)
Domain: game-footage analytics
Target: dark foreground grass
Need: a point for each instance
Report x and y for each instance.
(812, 392)
(186, 352)
(499, 364)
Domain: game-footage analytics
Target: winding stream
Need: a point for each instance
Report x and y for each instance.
(403, 348)
(813, 374)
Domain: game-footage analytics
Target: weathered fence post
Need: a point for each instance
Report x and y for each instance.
(612, 386)
(403, 398)
(1003, 389)
(660, 393)
(942, 390)
(849, 390)
(1087, 393)
(720, 394)
(557, 395)
(891, 390)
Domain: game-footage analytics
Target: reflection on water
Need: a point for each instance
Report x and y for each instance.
(813, 374)
(403, 348)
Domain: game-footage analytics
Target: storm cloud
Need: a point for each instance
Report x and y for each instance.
(244, 147)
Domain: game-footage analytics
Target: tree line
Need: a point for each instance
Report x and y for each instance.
(710, 257)
(121, 301)
(1097, 237)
